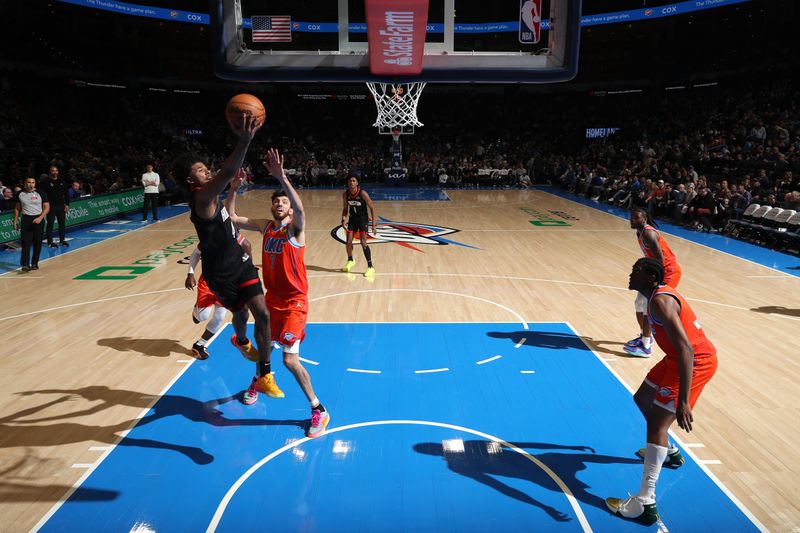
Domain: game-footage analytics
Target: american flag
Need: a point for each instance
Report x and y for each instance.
(272, 29)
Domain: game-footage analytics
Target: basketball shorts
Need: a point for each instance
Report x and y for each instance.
(287, 323)
(664, 378)
(357, 224)
(234, 291)
(205, 297)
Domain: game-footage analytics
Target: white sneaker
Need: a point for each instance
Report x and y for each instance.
(633, 508)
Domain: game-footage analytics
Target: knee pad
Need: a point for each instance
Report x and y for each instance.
(201, 314)
(215, 324)
(641, 303)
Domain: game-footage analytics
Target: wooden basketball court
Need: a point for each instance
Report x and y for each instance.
(83, 357)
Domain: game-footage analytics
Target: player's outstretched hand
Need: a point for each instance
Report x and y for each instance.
(238, 179)
(273, 162)
(248, 128)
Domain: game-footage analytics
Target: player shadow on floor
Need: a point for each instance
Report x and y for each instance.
(20, 430)
(486, 462)
(16, 486)
(557, 341)
(315, 268)
(148, 347)
(776, 310)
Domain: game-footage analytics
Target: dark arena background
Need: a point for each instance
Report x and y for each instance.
(475, 363)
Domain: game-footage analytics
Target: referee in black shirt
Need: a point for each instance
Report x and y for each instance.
(56, 191)
(34, 207)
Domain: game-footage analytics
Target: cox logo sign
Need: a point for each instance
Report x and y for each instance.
(130, 200)
(193, 17)
(314, 27)
(669, 10)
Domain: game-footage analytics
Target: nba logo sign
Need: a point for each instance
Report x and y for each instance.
(530, 21)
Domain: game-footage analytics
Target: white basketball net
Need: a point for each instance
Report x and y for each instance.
(396, 103)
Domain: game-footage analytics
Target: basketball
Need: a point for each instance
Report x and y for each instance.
(242, 104)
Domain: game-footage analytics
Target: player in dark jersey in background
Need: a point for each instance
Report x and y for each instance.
(355, 218)
(227, 268)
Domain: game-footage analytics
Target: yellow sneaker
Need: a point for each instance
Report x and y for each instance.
(370, 273)
(248, 350)
(348, 266)
(267, 385)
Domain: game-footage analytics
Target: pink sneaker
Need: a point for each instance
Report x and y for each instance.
(319, 421)
(251, 394)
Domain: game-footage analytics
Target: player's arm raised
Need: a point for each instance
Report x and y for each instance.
(274, 164)
(371, 208)
(667, 310)
(208, 194)
(230, 204)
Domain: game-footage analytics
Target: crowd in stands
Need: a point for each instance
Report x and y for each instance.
(698, 156)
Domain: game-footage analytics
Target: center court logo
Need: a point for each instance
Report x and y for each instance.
(406, 234)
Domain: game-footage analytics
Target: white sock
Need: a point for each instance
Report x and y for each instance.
(654, 456)
(647, 341)
(314, 402)
(200, 342)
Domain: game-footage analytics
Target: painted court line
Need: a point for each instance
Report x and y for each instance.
(431, 370)
(309, 361)
(362, 371)
(90, 302)
(495, 358)
(98, 448)
(184, 361)
(527, 371)
(519, 317)
(83, 465)
(223, 505)
(521, 342)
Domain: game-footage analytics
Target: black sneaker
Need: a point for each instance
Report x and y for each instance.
(194, 319)
(64, 243)
(199, 351)
(34, 267)
(26, 268)
(52, 245)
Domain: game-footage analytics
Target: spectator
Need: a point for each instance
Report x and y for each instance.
(75, 191)
(151, 181)
(52, 186)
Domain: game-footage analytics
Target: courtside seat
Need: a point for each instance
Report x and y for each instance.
(742, 227)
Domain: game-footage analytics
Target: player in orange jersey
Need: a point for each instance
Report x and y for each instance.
(284, 273)
(653, 245)
(671, 388)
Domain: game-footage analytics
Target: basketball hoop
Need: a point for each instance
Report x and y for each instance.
(396, 103)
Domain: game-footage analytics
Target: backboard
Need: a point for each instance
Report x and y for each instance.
(529, 41)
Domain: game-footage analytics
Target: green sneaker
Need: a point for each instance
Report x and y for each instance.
(673, 460)
(634, 509)
(370, 273)
(348, 266)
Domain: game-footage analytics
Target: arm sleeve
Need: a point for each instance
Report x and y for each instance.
(193, 260)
